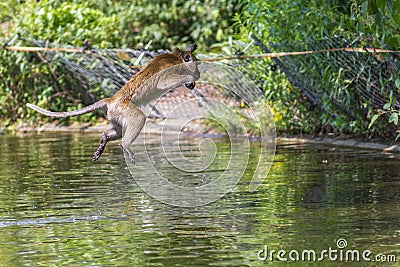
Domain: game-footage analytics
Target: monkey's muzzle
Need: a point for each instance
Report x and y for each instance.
(190, 85)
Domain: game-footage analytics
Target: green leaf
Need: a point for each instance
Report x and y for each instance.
(397, 137)
(397, 82)
(395, 12)
(365, 8)
(374, 118)
(394, 42)
(381, 4)
(387, 106)
(394, 118)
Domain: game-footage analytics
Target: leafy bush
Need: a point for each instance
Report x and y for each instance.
(294, 25)
(106, 24)
(125, 24)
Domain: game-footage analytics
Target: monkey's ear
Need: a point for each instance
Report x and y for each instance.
(177, 51)
(191, 48)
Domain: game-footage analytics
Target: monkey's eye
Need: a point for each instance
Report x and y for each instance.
(187, 57)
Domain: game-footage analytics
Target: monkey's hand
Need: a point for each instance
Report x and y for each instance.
(168, 81)
(190, 85)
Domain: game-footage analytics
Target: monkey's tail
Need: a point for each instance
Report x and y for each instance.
(98, 105)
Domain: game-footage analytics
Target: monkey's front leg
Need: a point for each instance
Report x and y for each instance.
(172, 81)
(133, 123)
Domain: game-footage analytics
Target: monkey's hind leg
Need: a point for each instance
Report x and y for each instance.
(133, 123)
(111, 134)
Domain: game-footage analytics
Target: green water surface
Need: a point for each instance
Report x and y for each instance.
(59, 208)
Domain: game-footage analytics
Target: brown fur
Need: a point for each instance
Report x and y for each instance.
(163, 73)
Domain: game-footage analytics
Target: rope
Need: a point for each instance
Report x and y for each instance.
(283, 54)
(267, 55)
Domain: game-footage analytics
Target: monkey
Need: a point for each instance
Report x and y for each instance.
(165, 72)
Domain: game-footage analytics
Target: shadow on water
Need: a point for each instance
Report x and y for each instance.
(57, 207)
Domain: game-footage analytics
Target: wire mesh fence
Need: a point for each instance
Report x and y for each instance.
(356, 83)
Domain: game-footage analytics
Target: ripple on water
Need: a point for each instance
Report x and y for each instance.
(57, 207)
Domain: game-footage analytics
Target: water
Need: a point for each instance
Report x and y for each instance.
(58, 208)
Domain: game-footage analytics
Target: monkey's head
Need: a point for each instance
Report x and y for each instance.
(190, 62)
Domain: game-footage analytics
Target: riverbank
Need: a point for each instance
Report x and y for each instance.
(156, 126)
(342, 142)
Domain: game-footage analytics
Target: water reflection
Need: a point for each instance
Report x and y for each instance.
(57, 207)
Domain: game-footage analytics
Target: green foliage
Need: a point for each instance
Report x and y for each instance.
(169, 23)
(286, 23)
(379, 18)
(294, 25)
(117, 24)
(290, 108)
(105, 24)
(26, 79)
(68, 23)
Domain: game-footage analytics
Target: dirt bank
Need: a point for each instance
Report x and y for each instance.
(156, 126)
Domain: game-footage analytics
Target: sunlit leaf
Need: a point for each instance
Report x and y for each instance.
(373, 119)
(394, 118)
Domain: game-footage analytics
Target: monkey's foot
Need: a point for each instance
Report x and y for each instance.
(132, 158)
(130, 155)
(97, 154)
(129, 152)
